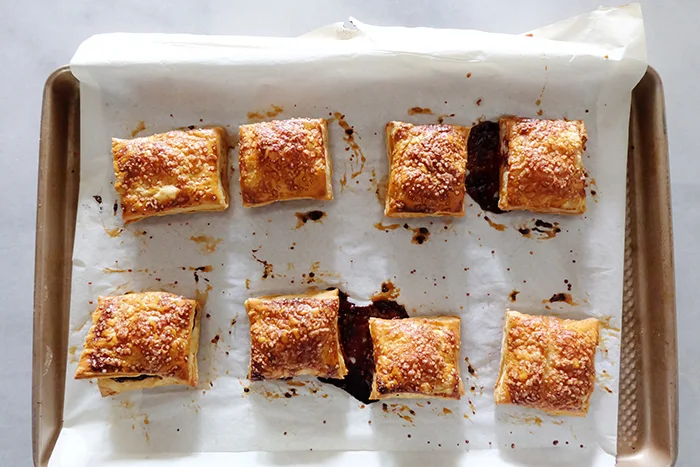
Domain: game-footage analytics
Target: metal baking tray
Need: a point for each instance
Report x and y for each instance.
(648, 408)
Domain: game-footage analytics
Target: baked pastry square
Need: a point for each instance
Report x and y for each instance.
(542, 167)
(548, 363)
(428, 166)
(416, 358)
(170, 173)
(295, 335)
(284, 160)
(141, 340)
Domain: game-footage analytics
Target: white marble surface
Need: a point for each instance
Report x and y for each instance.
(38, 37)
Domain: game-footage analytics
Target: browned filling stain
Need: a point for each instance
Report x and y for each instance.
(316, 275)
(441, 118)
(207, 244)
(499, 227)
(402, 411)
(592, 183)
(541, 230)
(358, 352)
(419, 111)
(388, 292)
(116, 270)
(513, 295)
(115, 232)
(608, 389)
(446, 411)
(386, 227)
(469, 75)
(478, 101)
(420, 235)
(561, 297)
(472, 407)
(605, 324)
(374, 185)
(380, 190)
(304, 217)
(247, 284)
(292, 382)
(267, 267)
(139, 128)
(215, 340)
(72, 354)
(201, 296)
(263, 115)
(484, 165)
(538, 102)
(357, 160)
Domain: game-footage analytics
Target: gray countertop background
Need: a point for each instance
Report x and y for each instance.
(38, 37)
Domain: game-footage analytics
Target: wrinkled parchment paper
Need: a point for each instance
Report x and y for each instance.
(359, 76)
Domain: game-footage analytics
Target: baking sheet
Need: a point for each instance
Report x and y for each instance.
(466, 267)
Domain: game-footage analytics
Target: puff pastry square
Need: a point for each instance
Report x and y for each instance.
(427, 171)
(416, 358)
(542, 167)
(295, 335)
(548, 363)
(170, 173)
(141, 340)
(284, 160)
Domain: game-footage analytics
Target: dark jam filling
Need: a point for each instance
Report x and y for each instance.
(353, 321)
(124, 379)
(484, 165)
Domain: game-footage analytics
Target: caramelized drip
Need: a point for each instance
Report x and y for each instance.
(484, 165)
(356, 341)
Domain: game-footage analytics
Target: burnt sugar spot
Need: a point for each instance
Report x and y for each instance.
(513, 295)
(539, 229)
(313, 216)
(484, 165)
(267, 267)
(357, 160)
(499, 227)
(420, 235)
(470, 368)
(441, 118)
(353, 322)
(115, 208)
(561, 297)
(419, 111)
(98, 198)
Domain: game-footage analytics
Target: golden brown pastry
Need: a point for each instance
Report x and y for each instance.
(416, 358)
(284, 160)
(428, 166)
(295, 335)
(542, 168)
(548, 363)
(141, 340)
(170, 173)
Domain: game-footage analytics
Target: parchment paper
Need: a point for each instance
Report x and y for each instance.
(583, 68)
